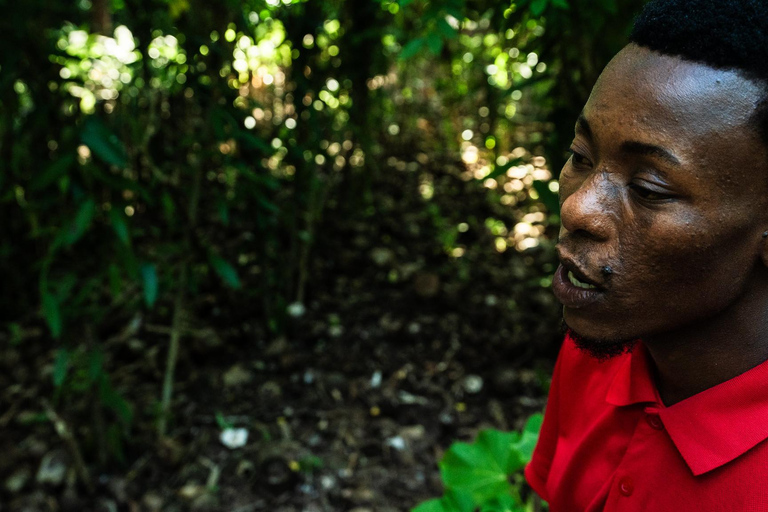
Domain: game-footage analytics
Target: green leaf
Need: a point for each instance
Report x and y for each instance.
(435, 43)
(149, 278)
(116, 402)
(52, 314)
(226, 272)
(120, 226)
(503, 503)
(550, 199)
(52, 173)
(103, 143)
(561, 4)
(453, 501)
(80, 223)
(447, 30)
(538, 7)
(524, 447)
(60, 367)
(479, 468)
(412, 48)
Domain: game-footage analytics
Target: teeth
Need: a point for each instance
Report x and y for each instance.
(579, 284)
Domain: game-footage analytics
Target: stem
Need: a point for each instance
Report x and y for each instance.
(173, 352)
(178, 311)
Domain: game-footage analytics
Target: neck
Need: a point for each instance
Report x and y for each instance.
(698, 357)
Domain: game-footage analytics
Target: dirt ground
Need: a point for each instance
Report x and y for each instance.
(398, 350)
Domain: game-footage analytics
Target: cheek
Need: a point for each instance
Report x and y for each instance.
(687, 258)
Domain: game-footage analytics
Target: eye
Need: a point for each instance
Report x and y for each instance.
(578, 159)
(649, 194)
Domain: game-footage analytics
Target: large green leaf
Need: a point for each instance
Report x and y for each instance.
(103, 143)
(479, 468)
(435, 43)
(412, 48)
(504, 503)
(538, 7)
(453, 501)
(523, 448)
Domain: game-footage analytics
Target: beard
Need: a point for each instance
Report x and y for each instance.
(599, 348)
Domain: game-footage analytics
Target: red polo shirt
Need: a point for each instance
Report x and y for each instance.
(609, 444)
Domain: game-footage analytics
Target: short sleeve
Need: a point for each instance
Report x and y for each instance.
(537, 471)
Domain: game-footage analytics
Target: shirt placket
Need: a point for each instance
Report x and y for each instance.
(627, 492)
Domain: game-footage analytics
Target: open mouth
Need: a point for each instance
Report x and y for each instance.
(575, 281)
(573, 289)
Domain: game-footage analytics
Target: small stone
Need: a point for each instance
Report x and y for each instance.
(234, 437)
(205, 502)
(397, 442)
(473, 384)
(53, 469)
(17, 480)
(382, 256)
(376, 379)
(190, 491)
(278, 347)
(237, 376)
(327, 482)
(152, 501)
(296, 310)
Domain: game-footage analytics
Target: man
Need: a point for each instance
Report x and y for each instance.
(659, 400)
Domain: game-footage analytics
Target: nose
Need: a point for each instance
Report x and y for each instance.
(588, 210)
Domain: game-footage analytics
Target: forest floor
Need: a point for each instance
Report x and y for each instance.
(401, 349)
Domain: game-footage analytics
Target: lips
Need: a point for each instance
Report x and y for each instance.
(575, 290)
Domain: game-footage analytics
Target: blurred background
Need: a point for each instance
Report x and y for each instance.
(277, 254)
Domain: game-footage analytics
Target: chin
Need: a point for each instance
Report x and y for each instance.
(598, 343)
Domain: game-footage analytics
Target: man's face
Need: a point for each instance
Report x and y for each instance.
(663, 203)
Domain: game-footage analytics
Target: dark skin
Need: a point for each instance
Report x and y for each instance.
(664, 205)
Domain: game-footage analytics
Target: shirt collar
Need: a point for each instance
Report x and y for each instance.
(710, 428)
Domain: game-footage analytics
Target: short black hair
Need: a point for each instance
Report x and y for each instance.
(725, 34)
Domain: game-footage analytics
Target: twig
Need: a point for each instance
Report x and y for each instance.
(178, 310)
(173, 354)
(69, 440)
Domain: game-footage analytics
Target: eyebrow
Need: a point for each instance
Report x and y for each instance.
(631, 146)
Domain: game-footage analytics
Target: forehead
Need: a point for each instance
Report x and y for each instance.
(701, 115)
(673, 100)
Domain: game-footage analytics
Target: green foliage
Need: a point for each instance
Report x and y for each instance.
(159, 152)
(485, 474)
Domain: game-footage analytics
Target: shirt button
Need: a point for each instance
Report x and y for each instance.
(626, 486)
(654, 421)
